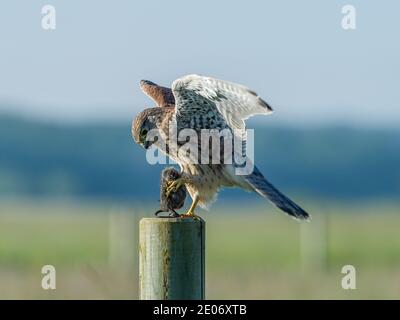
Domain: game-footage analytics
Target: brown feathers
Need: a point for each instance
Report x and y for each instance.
(162, 96)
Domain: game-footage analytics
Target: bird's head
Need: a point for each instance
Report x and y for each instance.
(141, 126)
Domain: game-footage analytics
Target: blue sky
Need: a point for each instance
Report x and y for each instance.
(293, 53)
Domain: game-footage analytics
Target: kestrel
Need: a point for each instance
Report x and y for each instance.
(198, 102)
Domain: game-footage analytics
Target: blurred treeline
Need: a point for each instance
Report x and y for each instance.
(101, 160)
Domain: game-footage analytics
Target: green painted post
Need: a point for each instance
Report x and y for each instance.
(171, 258)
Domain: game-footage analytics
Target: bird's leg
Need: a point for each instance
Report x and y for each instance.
(175, 185)
(190, 213)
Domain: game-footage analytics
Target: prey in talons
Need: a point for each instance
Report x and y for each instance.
(171, 199)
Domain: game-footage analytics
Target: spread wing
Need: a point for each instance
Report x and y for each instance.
(196, 94)
(162, 96)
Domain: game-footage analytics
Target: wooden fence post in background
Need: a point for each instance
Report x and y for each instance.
(122, 240)
(314, 238)
(171, 258)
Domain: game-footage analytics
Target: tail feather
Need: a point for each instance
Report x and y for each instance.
(259, 184)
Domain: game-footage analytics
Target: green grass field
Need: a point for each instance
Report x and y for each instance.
(257, 255)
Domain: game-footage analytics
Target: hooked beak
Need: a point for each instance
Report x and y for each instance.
(147, 144)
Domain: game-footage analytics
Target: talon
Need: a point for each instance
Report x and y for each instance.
(190, 213)
(173, 186)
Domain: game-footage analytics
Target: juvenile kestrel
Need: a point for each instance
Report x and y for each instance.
(197, 102)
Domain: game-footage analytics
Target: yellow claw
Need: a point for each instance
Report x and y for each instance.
(190, 213)
(174, 185)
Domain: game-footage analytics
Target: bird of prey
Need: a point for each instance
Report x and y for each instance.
(199, 102)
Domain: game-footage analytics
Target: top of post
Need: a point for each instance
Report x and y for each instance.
(154, 220)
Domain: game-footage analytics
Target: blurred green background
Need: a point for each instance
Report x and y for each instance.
(71, 195)
(250, 253)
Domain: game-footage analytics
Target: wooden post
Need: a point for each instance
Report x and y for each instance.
(171, 258)
(314, 243)
(122, 240)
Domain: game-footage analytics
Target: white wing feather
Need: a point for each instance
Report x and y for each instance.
(235, 102)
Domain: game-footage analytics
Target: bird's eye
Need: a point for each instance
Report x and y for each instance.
(143, 132)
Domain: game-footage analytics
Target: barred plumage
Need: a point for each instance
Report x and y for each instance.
(197, 102)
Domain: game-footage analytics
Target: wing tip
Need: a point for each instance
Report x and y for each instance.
(147, 82)
(265, 104)
(146, 85)
(261, 101)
